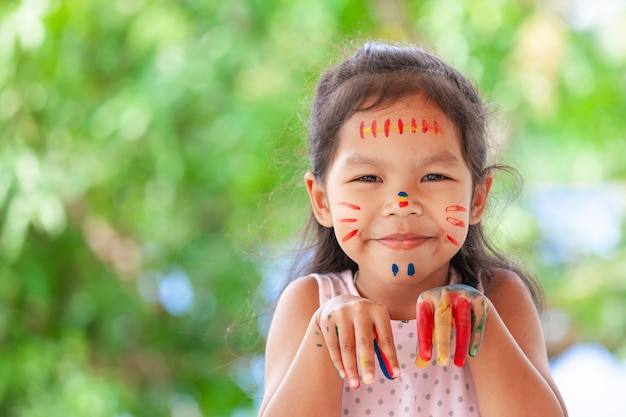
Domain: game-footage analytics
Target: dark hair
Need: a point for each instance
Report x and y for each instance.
(378, 75)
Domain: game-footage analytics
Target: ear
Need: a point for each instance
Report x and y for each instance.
(317, 197)
(479, 200)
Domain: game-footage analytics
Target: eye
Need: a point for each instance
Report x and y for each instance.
(369, 178)
(434, 177)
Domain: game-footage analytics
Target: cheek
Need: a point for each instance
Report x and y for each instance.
(346, 220)
(456, 218)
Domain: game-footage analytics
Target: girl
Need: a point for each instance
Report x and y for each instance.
(399, 261)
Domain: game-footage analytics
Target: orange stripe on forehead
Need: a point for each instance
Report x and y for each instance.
(388, 127)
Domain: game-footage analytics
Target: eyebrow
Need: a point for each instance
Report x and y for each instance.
(445, 157)
(359, 161)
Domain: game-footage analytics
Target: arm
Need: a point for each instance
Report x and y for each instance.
(513, 355)
(304, 362)
(300, 379)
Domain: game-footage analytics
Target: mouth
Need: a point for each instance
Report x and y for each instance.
(402, 241)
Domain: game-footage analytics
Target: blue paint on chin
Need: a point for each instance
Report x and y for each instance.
(411, 270)
(394, 269)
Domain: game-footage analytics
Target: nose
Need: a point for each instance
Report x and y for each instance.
(401, 204)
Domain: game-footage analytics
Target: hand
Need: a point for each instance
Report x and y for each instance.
(357, 327)
(439, 309)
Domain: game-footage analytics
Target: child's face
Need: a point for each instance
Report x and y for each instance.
(398, 193)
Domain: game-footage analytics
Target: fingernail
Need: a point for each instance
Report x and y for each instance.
(354, 383)
(341, 373)
(368, 378)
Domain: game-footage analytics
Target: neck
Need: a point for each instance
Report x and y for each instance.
(399, 298)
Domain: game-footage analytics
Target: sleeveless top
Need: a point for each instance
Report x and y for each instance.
(434, 391)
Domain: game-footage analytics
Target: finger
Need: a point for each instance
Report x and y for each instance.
(388, 361)
(462, 312)
(443, 329)
(330, 332)
(425, 320)
(383, 361)
(479, 318)
(364, 336)
(347, 352)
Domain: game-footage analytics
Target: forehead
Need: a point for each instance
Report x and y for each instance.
(416, 108)
(411, 125)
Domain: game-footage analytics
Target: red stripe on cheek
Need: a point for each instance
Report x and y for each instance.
(352, 206)
(453, 240)
(456, 208)
(455, 222)
(349, 235)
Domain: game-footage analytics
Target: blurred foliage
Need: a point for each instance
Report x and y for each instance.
(149, 152)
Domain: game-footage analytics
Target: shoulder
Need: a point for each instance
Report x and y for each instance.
(302, 295)
(513, 301)
(509, 289)
(304, 287)
(505, 282)
(296, 306)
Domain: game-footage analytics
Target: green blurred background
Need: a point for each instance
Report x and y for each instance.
(151, 154)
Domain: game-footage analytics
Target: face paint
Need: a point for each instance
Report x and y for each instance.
(454, 221)
(352, 233)
(403, 199)
(388, 127)
(410, 270)
(456, 208)
(453, 240)
(352, 206)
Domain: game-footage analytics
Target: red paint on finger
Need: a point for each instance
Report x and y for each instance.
(462, 313)
(425, 324)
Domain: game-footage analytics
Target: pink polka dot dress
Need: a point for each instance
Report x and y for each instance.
(435, 391)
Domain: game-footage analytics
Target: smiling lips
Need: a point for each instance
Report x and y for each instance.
(402, 241)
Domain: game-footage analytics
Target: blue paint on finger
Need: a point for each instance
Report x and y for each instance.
(385, 366)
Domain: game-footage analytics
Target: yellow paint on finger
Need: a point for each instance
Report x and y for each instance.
(364, 362)
(443, 326)
(421, 363)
